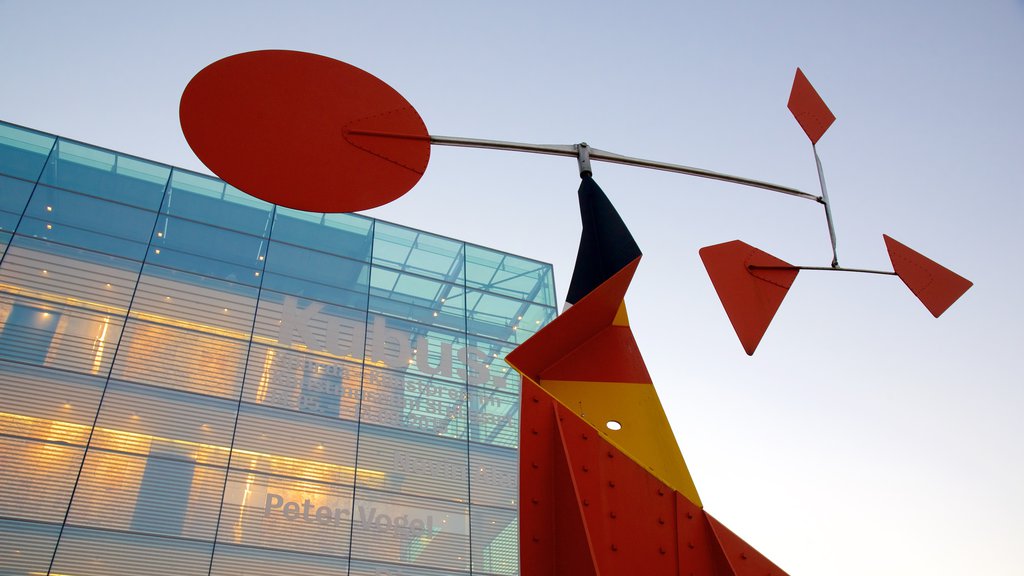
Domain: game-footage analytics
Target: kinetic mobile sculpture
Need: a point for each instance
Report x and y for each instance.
(603, 485)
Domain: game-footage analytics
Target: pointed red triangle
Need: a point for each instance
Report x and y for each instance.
(610, 356)
(742, 558)
(750, 296)
(573, 327)
(808, 108)
(935, 286)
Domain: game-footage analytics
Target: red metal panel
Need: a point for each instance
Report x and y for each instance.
(751, 297)
(610, 356)
(935, 286)
(552, 539)
(295, 129)
(573, 327)
(808, 108)
(742, 558)
(699, 552)
(629, 514)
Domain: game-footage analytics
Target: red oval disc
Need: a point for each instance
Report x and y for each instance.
(304, 131)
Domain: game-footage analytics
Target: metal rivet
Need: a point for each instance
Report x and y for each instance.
(611, 484)
(534, 501)
(611, 454)
(586, 468)
(615, 548)
(661, 520)
(585, 437)
(743, 555)
(586, 502)
(535, 400)
(534, 465)
(613, 515)
(661, 492)
(661, 549)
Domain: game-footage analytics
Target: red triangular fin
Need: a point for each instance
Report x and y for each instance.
(751, 296)
(935, 286)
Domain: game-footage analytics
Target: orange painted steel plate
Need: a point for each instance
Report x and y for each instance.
(645, 436)
(808, 108)
(629, 514)
(304, 131)
(751, 297)
(611, 355)
(936, 286)
(743, 559)
(592, 314)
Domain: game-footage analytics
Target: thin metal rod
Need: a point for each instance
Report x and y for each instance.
(554, 149)
(595, 154)
(828, 208)
(827, 269)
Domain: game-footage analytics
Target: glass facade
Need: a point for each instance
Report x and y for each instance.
(193, 381)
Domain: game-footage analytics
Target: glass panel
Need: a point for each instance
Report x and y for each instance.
(156, 495)
(152, 421)
(187, 332)
(495, 374)
(308, 383)
(418, 299)
(36, 479)
(415, 404)
(282, 513)
(298, 446)
(88, 260)
(495, 476)
(88, 223)
(25, 547)
(414, 251)
(39, 333)
(49, 405)
(107, 175)
(412, 465)
(171, 357)
(332, 331)
(231, 560)
(367, 568)
(411, 348)
(493, 417)
(513, 276)
(202, 199)
(208, 251)
(89, 552)
(503, 318)
(495, 541)
(14, 196)
(23, 152)
(347, 235)
(396, 529)
(316, 275)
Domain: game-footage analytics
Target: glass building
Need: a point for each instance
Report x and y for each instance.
(193, 381)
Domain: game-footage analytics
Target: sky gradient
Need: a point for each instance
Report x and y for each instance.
(864, 436)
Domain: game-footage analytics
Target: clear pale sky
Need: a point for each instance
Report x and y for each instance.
(865, 436)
